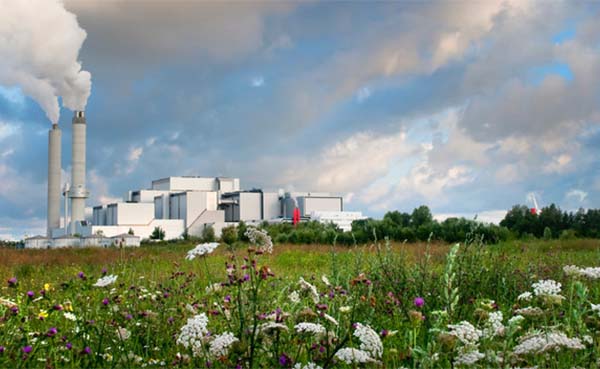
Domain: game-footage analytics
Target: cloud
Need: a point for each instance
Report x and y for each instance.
(258, 81)
(558, 164)
(577, 194)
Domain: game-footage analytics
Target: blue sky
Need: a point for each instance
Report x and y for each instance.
(466, 106)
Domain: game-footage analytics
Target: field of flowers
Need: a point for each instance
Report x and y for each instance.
(534, 305)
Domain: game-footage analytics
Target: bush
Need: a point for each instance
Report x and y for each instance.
(157, 234)
(229, 235)
(208, 234)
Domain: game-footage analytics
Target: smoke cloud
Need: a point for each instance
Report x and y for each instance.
(39, 47)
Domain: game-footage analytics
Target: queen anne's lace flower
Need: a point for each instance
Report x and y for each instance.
(271, 327)
(294, 297)
(330, 318)
(201, 250)
(70, 316)
(353, 356)
(105, 281)
(314, 294)
(546, 287)
(494, 326)
(260, 238)
(530, 311)
(525, 296)
(220, 345)
(590, 272)
(369, 340)
(469, 358)
(543, 342)
(465, 332)
(307, 366)
(123, 333)
(312, 328)
(192, 334)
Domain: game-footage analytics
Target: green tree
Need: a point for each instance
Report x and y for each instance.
(421, 216)
(229, 235)
(157, 234)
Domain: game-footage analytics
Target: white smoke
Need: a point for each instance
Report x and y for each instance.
(39, 46)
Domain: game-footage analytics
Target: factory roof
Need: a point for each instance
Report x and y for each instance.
(125, 235)
(38, 237)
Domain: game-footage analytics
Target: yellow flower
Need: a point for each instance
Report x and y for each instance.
(47, 287)
(68, 306)
(43, 314)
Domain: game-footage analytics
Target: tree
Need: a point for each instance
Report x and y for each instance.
(157, 234)
(420, 216)
(131, 231)
(208, 234)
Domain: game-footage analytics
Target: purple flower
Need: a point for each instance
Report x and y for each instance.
(228, 298)
(128, 316)
(52, 332)
(15, 310)
(419, 302)
(12, 282)
(284, 360)
(30, 294)
(57, 307)
(81, 275)
(246, 277)
(105, 301)
(170, 320)
(1, 349)
(104, 271)
(69, 345)
(384, 333)
(86, 351)
(27, 349)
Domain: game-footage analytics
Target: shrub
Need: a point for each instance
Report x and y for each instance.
(157, 234)
(229, 235)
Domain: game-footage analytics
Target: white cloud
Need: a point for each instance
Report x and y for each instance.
(558, 164)
(577, 194)
(258, 81)
(8, 129)
(363, 94)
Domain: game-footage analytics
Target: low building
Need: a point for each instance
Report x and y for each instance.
(37, 242)
(125, 240)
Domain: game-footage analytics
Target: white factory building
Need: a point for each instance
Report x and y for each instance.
(176, 205)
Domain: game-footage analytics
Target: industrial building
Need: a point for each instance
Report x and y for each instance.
(176, 205)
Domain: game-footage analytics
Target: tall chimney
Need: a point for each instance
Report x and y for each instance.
(78, 192)
(54, 143)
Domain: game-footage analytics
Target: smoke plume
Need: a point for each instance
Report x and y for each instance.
(39, 46)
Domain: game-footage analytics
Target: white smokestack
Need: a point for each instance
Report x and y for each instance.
(54, 153)
(78, 192)
(39, 48)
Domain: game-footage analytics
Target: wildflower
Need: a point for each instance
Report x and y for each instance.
(469, 358)
(105, 281)
(192, 334)
(325, 280)
(294, 297)
(369, 340)
(27, 349)
(201, 250)
(104, 271)
(419, 302)
(330, 318)
(543, 342)
(43, 314)
(271, 327)
(314, 294)
(307, 366)
(2, 349)
(30, 294)
(68, 306)
(465, 332)
(260, 238)
(284, 360)
(105, 301)
(12, 282)
(86, 351)
(68, 345)
(81, 275)
(52, 332)
(215, 287)
(494, 325)
(351, 355)
(525, 296)
(123, 333)
(7, 303)
(46, 287)
(530, 311)
(516, 320)
(70, 316)
(312, 328)
(591, 273)
(345, 309)
(546, 287)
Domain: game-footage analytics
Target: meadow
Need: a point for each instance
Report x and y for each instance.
(384, 305)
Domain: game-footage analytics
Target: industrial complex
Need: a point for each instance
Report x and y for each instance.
(176, 205)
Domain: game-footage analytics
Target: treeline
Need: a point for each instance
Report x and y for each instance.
(552, 222)
(419, 225)
(396, 226)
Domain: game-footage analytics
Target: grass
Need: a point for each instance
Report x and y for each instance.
(157, 291)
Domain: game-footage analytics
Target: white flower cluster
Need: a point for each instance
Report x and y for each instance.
(70, 316)
(215, 287)
(469, 358)
(192, 334)
(516, 320)
(260, 238)
(325, 280)
(201, 250)
(369, 340)
(465, 332)
(353, 356)
(105, 281)
(546, 287)
(590, 272)
(307, 366)
(530, 311)
(331, 319)
(525, 296)
(595, 308)
(123, 333)
(220, 345)
(312, 328)
(271, 327)
(294, 297)
(314, 294)
(543, 342)
(494, 326)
